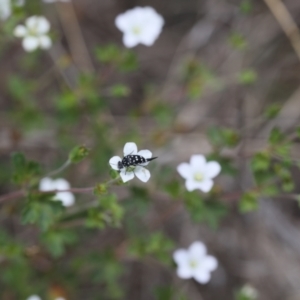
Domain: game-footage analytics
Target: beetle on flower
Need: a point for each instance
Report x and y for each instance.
(199, 173)
(195, 263)
(133, 163)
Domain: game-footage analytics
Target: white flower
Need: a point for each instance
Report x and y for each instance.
(140, 25)
(5, 7)
(34, 297)
(48, 184)
(199, 173)
(34, 33)
(139, 171)
(195, 263)
(249, 291)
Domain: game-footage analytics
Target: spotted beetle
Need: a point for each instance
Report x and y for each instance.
(132, 161)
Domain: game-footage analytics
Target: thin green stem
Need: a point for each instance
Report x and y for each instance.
(59, 170)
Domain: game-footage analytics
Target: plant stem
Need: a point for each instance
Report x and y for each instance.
(59, 170)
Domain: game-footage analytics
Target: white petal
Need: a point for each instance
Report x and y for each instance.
(33, 297)
(46, 184)
(30, 43)
(197, 250)
(198, 162)
(185, 170)
(37, 24)
(206, 185)
(192, 185)
(210, 263)
(66, 198)
(212, 169)
(184, 272)
(61, 184)
(181, 257)
(20, 31)
(202, 276)
(5, 9)
(142, 174)
(126, 176)
(130, 148)
(145, 153)
(114, 162)
(130, 40)
(45, 42)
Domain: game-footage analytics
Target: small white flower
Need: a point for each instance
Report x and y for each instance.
(195, 263)
(34, 33)
(249, 291)
(139, 171)
(34, 297)
(199, 173)
(5, 7)
(140, 25)
(48, 184)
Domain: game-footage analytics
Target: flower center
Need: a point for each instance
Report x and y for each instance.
(198, 176)
(193, 264)
(136, 30)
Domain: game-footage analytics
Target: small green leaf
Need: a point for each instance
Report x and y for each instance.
(272, 111)
(248, 202)
(247, 77)
(119, 90)
(237, 41)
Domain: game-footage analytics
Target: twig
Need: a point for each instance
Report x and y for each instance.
(60, 169)
(286, 22)
(11, 196)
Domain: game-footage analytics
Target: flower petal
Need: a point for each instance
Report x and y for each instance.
(66, 198)
(61, 184)
(45, 42)
(184, 272)
(114, 162)
(145, 153)
(130, 148)
(192, 185)
(126, 176)
(33, 297)
(212, 169)
(30, 43)
(20, 31)
(130, 40)
(198, 162)
(142, 174)
(201, 275)
(185, 170)
(206, 185)
(197, 250)
(210, 263)
(46, 184)
(181, 256)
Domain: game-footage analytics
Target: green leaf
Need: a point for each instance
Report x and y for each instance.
(24, 172)
(41, 210)
(57, 240)
(220, 137)
(247, 77)
(119, 90)
(248, 202)
(272, 111)
(237, 41)
(276, 136)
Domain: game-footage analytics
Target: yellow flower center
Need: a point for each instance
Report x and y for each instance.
(193, 264)
(198, 176)
(136, 30)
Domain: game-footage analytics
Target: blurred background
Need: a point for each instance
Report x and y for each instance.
(220, 77)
